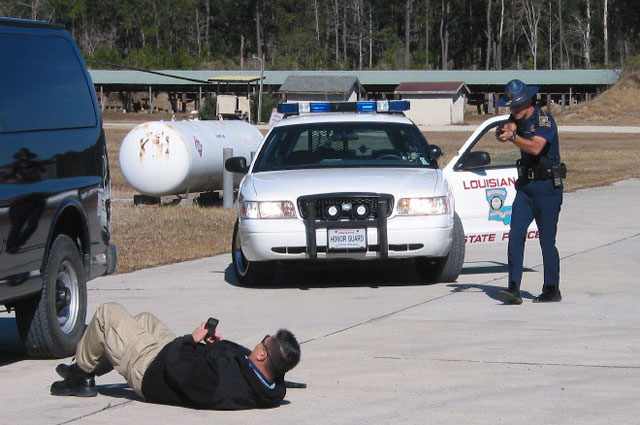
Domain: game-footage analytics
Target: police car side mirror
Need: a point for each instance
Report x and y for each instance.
(475, 159)
(236, 164)
(434, 152)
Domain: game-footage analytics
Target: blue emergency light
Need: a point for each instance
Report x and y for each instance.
(296, 108)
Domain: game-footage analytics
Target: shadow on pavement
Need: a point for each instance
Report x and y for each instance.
(488, 267)
(11, 349)
(374, 274)
(339, 274)
(118, 391)
(490, 290)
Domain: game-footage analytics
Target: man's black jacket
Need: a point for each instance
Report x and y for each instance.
(212, 376)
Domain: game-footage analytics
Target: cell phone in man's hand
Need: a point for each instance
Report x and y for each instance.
(211, 327)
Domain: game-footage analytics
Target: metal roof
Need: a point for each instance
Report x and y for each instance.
(369, 78)
(234, 78)
(319, 84)
(448, 87)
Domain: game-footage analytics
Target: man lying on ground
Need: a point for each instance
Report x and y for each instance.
(197, 370)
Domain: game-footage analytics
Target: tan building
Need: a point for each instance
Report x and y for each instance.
(435, 103)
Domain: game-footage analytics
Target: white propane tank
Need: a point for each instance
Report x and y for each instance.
(168, 158)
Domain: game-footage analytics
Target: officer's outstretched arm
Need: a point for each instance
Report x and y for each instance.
(533, 146)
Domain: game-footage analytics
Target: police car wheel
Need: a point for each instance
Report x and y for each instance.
(445, 269)
(250, 273)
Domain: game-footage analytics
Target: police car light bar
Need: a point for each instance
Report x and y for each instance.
(295, 108)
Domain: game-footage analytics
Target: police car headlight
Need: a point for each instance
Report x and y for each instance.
(267, 209)
(423, 206)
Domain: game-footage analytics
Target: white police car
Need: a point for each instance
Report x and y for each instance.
(351, 180)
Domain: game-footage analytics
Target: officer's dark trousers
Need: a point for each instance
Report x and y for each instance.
(536, 200)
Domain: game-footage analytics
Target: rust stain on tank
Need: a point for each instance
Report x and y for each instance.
(154, 144)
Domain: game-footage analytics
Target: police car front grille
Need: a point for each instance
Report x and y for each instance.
(370, 248)
(346, 206)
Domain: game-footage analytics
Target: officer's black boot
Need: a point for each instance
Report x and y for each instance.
(76, 382)
(511, 295)
(550, 294)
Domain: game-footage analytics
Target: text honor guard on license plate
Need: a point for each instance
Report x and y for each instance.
(347, 239)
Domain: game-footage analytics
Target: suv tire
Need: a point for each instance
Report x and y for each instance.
(250, 273)
(51, 323)
(445, 269)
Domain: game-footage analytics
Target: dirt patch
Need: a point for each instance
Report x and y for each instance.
(139, 117)
(619, 105)
(149, 236)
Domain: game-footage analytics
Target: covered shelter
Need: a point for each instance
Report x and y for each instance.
(234, 105)
(435, 103)
(561, 87)
(301, 88)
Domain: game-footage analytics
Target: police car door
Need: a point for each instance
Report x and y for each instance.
(483, 177)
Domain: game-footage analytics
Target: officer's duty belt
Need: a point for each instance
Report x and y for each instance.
(541, 172)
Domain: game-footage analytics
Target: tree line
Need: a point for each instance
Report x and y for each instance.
(346, 34)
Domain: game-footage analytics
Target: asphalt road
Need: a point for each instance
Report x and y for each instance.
(379, 348)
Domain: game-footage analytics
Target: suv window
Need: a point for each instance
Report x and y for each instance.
(343, 144)
(43, 86)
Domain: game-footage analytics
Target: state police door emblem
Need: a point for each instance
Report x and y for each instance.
(497, 209)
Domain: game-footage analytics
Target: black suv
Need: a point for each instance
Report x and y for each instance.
(54, 186)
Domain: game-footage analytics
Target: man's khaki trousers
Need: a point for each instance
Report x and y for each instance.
(128, 343)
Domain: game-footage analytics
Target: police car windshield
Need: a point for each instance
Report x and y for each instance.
(344, 144)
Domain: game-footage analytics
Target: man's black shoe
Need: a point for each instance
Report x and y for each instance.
(76, 382)
(511, 295)
(63, 370)
(550, 294)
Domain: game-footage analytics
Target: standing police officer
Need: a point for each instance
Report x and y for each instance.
(538, 189)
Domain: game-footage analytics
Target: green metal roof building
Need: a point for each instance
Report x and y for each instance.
(374, 79)
(483, 85)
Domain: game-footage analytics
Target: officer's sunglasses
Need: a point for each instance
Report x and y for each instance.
(263, 342)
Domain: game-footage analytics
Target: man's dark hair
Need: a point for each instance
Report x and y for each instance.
(284, 353)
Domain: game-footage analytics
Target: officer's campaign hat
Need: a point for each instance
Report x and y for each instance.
(516, 93)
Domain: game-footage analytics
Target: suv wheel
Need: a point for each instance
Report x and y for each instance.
(446, 269)
(51, 323)
(250, 273)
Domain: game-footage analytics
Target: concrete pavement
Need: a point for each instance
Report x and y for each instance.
(380, 348)
(469, 128)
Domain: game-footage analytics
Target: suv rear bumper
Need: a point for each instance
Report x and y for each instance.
(112, 258)
(105, 263)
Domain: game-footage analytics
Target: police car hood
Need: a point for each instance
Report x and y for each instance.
(399, 182)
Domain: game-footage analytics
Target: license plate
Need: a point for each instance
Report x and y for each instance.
(351, 239)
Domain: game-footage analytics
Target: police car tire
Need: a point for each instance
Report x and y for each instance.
(445, 269)
(250, 273)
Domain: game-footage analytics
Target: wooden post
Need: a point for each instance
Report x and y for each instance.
(562, 99)
(570, 96)
(227, 180)
(101, 100)
(150, 100)
(490, 104)
(548, 103)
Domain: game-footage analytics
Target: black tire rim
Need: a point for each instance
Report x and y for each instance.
(67, 297)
